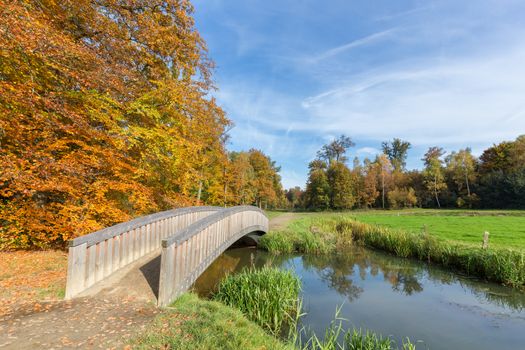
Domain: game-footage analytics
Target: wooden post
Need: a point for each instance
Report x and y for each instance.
(485, 244)
(167, 263)
(76, 270)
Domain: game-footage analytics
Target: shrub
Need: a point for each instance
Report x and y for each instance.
(268, 296)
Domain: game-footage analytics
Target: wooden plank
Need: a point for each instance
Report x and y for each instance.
(76, 270)
(99, 262)
(116, 253)
(166, 271)
(142, 241)
(178, 266)
(91, 260)
(108, 263)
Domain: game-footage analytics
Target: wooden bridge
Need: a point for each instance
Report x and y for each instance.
(187, 239)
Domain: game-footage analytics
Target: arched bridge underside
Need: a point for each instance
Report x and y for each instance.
(188, 240)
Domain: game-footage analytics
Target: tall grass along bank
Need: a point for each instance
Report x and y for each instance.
(499, 265)
(268, 296)
(195, 324)
(260, 304)
(335, 338)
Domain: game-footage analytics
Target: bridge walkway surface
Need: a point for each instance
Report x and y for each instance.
(105, 316)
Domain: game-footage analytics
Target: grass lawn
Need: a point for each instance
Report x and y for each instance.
(273, 213)
(192, 323)
(506, 228)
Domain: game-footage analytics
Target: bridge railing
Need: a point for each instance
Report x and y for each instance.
(94, 257)
(189, 252)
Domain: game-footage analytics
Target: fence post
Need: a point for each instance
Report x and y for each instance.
(76, 270)
(167, 264)
(485, 240)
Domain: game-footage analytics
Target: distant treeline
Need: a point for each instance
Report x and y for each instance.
(105, 115)
(457, 180)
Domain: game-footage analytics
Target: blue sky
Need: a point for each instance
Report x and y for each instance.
(292, 75)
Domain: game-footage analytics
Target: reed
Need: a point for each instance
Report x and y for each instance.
(504, 266)
(298, 241)
(267, 296)
(336, 338)
(332, 234)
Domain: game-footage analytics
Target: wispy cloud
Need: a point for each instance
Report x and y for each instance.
(368, 151)
(367, 40)
(448, 73)
(476, 98)
(398, 15)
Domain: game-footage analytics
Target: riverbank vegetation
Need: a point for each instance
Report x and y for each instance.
(332, 233)
(267, 296)
(459, 179)
(195, 324)
(243, 320)
(506, 228)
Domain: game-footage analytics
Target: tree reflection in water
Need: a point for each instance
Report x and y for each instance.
(338, 271)
(342, 272)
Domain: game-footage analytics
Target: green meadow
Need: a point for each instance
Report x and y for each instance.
(506, 228)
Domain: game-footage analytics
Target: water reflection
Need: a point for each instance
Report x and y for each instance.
(342, 272)
(393, 296)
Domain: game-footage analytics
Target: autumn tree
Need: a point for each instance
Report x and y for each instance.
(461, 166)
(342, 186)
(317, 194)
(433, 173)
(266, 181)
(336, 149)
(385, 175)
(369, 192)
(105, 115)
(399, 198)
(294, 196)
(502, 175)
(396, 151)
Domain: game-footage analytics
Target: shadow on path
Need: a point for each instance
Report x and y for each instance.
(151, 272)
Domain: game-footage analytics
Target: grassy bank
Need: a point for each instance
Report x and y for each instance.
(507, 228)
(270, 297)
(320, 234)
(498, 265)
(195, 324)
(261, 304)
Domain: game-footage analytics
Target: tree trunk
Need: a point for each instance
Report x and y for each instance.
(225, 185)
(466, 180)
(383, 187)
(199, 193)
(436, 192)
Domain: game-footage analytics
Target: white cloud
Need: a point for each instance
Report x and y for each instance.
(449, 74)
(370, 39)
(367, 151)
(475, 98)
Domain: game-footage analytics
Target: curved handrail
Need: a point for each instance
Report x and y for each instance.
(96, 256)
(187, 253)
(118, 229)
(206, 222)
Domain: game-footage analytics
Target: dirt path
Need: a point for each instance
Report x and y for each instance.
(87, 323)
(105, 317)
(280, 222)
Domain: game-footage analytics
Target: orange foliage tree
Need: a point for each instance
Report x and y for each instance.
(105, 115)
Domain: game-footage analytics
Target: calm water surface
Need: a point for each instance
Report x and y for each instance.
(392, 296)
